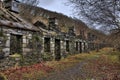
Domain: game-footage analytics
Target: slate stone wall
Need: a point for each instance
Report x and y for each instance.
(30, 44)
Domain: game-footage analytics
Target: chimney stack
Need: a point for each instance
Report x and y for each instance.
(53, 23)
(12, 5)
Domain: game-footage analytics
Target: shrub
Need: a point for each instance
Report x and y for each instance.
(16, 55)
(47, 56)
(2, 77)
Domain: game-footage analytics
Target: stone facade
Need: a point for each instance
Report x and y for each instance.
(6, 39)
(35, 41)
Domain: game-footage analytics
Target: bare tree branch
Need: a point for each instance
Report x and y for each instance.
(102, 12)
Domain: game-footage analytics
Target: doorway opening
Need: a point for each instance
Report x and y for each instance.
(46, 44)
(80, 47)
(57, 49)
(67, 46)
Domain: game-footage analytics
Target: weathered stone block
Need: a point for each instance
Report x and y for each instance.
(6, 51)
(26, 50)
(8, 43)
(24, 40)
(8, 35)
(24, 45)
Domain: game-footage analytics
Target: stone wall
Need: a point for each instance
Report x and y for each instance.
(31, 47)
(5, 37)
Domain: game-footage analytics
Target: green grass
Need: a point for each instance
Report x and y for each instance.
(96, 64)
(71, 60)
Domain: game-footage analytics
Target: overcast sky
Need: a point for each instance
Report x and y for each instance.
(56, 5)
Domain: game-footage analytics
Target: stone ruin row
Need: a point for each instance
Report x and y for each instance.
(18, 36)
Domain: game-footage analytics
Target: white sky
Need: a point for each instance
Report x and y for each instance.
(56, 5)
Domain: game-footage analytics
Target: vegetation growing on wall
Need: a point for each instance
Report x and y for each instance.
(2, 77)
(37, 40)
(35, 44)
(46, 56)
(3, 39)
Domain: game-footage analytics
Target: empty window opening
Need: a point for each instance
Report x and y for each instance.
(15, 44)
(67, 46)
(47, 44)
(80, 46)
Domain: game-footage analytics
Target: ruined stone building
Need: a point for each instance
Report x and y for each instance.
(43, 32)
(15, 32)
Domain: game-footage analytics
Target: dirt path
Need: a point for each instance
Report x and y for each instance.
(72, 73)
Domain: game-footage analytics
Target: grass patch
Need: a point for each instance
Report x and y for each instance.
(71, 60)
(102, 65)
(98, 65)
